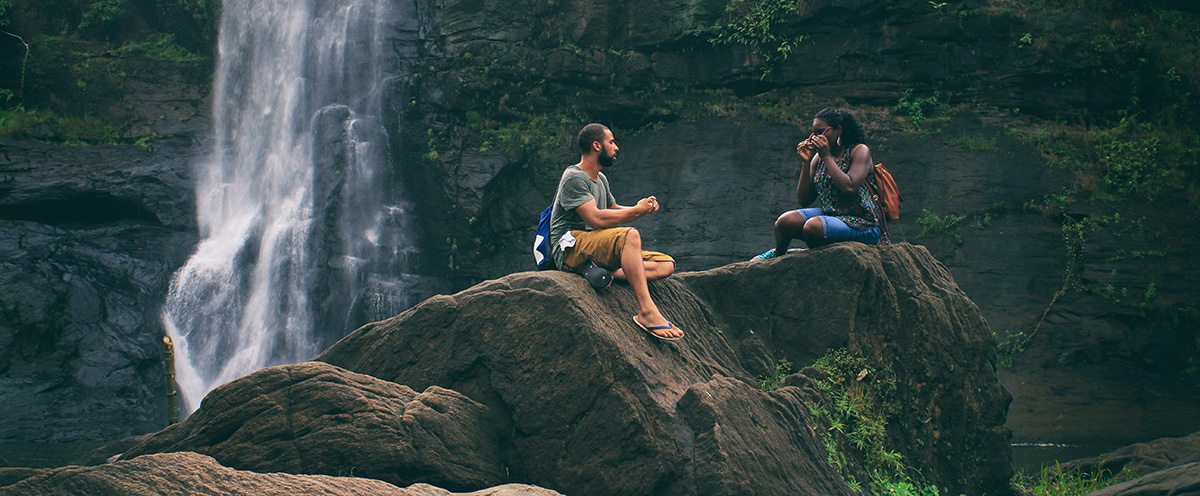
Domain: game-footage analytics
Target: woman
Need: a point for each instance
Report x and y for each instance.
(836, 172)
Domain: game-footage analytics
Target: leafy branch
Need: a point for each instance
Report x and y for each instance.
(759, 26)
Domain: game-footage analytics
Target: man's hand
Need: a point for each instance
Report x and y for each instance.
(648, 205)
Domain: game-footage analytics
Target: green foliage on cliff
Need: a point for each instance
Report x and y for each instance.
(771, 381)
(80, 54)
(65, 75)
(99, 16)
(1128, 160)
(1147, 54)
(942, 225)
(855, 427)
(923, 110)
(762, 26)
(1137, 155)
(18, 122)
(161, 47)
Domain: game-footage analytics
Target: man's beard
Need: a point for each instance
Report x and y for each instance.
(606, 161)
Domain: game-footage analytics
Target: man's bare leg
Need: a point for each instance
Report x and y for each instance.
(654, 270)
(634, 271)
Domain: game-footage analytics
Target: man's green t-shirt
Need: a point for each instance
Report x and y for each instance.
(574, 189)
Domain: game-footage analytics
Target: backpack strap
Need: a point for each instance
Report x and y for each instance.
(855, 150)
(873, 189)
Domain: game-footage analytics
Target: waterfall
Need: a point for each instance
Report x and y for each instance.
(302, 231)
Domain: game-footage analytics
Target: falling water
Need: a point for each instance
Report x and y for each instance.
(302, 237)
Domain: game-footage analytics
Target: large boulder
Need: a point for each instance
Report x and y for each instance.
(13, 475)
(314, 418)
(199, 475)
(1182, 480)
(1143, 458)
(587, 403)
(739, 433)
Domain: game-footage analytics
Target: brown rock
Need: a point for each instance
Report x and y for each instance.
(198, 475)
(1182, 480)
(900, 308)
(313, 418)
(13, 475)
(588, 404)
(747, 440)
(1143, 458)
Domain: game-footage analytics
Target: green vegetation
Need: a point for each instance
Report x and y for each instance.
(16, 122)
(161, 47)
(855, 427)
(98, 16)
(762, 26)
(1075, 233)
(1056, 481)
(72, 73)
(932, 223)
(771, 381)
(1136, 293)
(923, 110)
(983, 222)
(1130, 160)
(20, 123)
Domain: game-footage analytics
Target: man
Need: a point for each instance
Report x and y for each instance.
(583, 228)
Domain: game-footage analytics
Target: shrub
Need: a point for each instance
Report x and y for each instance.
(922, 109)
(1056, 481)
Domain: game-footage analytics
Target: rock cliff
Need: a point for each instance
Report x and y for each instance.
(89, 237)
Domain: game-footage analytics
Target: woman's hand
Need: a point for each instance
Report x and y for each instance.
(821, 143)
(805, 150)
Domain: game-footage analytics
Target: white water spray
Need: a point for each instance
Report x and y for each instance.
(301, 233)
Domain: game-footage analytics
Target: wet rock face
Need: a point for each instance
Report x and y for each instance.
(192, 473)
(89, 237)
(313, 418)
(586, 403)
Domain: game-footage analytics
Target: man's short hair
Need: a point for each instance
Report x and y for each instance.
(590, 134)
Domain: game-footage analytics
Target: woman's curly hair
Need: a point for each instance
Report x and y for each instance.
(852, 130)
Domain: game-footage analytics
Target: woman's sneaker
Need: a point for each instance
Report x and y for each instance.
(766, 255)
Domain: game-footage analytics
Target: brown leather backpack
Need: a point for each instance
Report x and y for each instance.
(885, 192)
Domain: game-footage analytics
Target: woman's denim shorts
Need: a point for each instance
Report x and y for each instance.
(836, 230)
